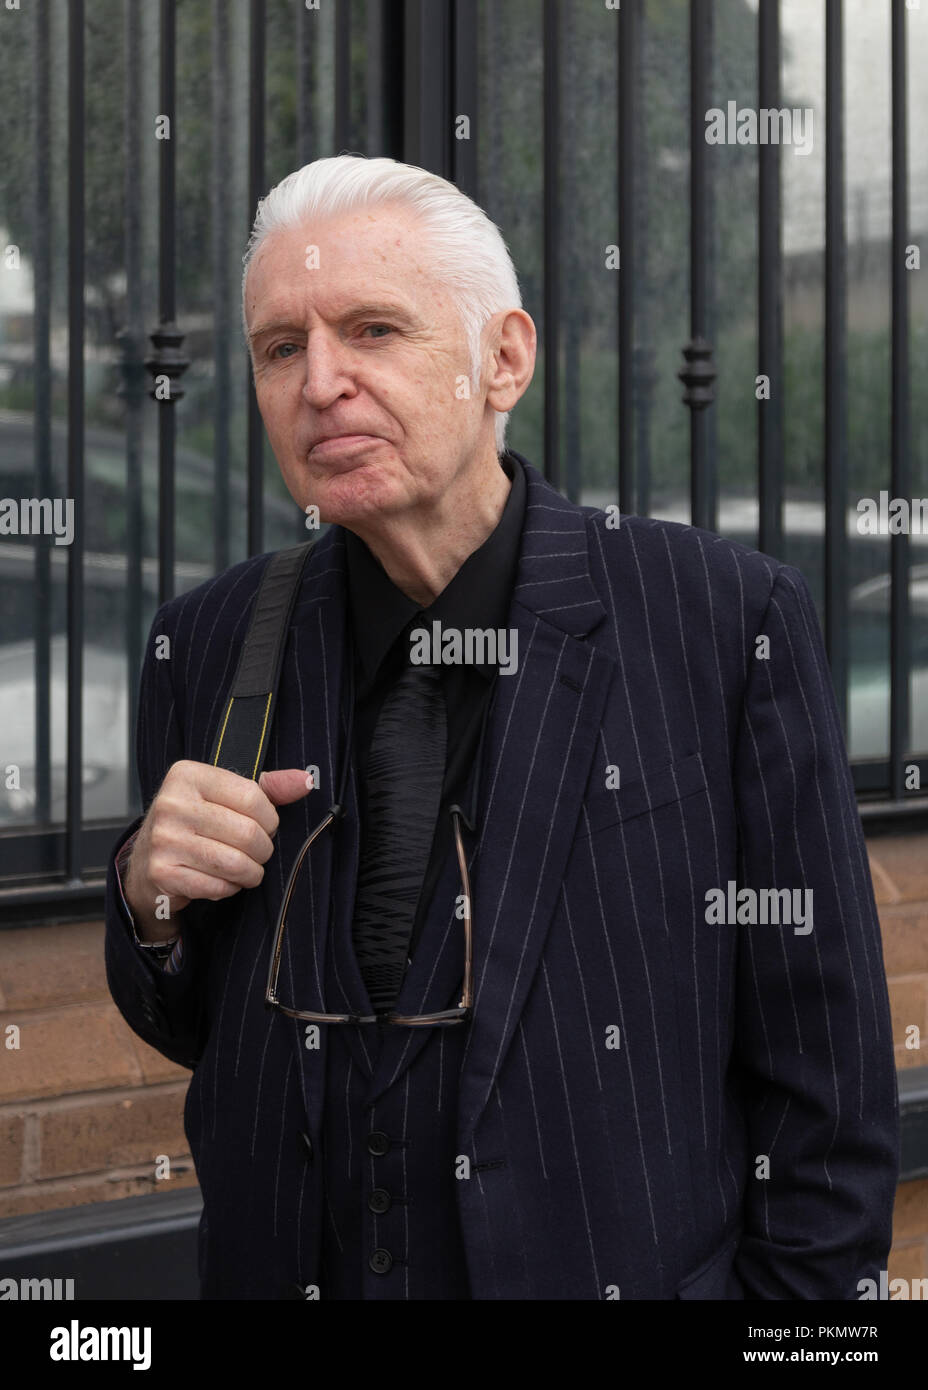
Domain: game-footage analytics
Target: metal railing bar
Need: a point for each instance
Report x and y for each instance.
(166, 297)
(835, 480)
(42, 399)
(574, 250)
(464, 96)
(305, 131)
(551, 121)
(134, 374)
(900, 466)
(343, 77)
(256, 190)
(626, 147)
(642, 367)
(221, 214)
(75, 597)
(428, 79)
(373, 78)
(769, 293)
(699, 351)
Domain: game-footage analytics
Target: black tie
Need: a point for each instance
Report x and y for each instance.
(405, 771)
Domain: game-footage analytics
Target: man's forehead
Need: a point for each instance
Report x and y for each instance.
(297, 265)
(390, 243)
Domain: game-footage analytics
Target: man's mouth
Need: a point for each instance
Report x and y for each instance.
(344, 446)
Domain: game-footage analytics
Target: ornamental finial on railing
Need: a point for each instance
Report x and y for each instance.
(698, 374)
(167, 363)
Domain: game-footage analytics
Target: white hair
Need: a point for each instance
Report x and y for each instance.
(467, 249)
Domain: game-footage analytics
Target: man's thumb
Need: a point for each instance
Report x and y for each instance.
(286, 785)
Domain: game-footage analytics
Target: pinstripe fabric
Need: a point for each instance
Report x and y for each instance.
(413, 1177)
(628, 1065)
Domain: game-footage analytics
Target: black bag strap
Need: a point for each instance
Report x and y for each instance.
(242, 737)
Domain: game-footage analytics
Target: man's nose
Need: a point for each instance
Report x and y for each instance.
(328, 369)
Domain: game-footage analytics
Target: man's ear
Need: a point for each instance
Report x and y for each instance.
(513, 347)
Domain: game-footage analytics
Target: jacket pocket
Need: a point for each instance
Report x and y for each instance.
(715, 1277)
(665, 785)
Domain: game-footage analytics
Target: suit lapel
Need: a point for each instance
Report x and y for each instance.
(541, 742)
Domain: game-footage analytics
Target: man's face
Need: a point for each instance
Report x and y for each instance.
(368, 346)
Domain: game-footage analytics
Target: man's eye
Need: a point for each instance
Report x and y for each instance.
(385, 326)
(279, 347)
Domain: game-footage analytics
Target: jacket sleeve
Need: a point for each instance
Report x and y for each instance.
(168, 1011)
(813, 1040)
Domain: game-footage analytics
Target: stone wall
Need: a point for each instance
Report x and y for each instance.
(90, 1113)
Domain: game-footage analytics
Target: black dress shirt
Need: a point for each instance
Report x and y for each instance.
(382, 616)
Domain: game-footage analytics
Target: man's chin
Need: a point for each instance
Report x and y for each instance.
(353, 499)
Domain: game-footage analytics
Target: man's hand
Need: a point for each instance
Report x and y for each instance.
(208, 834)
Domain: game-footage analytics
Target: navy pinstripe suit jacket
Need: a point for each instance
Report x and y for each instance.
(668, 1107)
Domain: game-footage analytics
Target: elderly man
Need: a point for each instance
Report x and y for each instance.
(564, 980)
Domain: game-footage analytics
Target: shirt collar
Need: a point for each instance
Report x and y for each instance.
(478, 596)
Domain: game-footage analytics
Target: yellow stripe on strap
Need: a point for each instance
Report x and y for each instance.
(223, 731)
(267, 708)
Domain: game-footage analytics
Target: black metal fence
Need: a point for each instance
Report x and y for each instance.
(394, 77)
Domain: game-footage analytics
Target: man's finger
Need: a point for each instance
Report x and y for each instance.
(285, 785)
